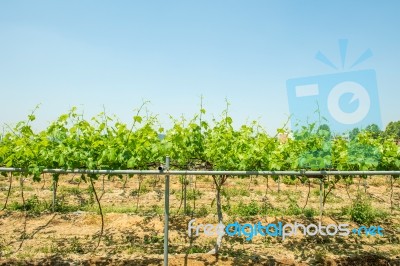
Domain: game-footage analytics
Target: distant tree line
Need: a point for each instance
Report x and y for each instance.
(392, 130)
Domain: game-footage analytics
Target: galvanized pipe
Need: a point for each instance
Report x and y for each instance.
(166, 212)
(162, 171)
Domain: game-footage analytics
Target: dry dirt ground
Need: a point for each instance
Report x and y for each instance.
(134, 222)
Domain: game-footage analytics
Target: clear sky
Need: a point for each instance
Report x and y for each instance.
(119, 53)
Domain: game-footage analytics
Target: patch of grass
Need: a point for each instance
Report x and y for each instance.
(259, 193)
(255, 181)
(111, 209)
(71, 190)
(293, 208)
(143, 190)
(153, 181)
(310, 212)
(63, 207)
(32, 205)
(135, 249)
(347, 180)
(290, 180)
(362, 211)
(245, 210)
(75, 246)
(43, 249)
(197, 249)
(332, 198)
(157, 209)
(240, 182)
(151, 210)
(377, 181)
(202, 211)
(191, 194)
(25, 256)
(230, 192)
(315, 192)
(204, 178)
(153, 239)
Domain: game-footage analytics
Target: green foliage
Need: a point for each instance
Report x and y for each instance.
(230, 192)
(290, 180)
(103, 142)
(202, 211)
(143, 190)
(153, 239)
(363, 213)
(191, 194)
(36, 206)
(374, 130)
(309, 212)
(32, 205)
(393, 130)
(293, 208)
(245, 210)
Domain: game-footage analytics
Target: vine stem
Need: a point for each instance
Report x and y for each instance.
(180, 204)
(103, 191)
(9, 191)
(348, 193)
(391, 194)
(101, 213)
(55, 186)
(321, 195)
(218, 181)
(23, 236)
(44, 181)
(125, 181)
(248, 188)
(194, 198)
(279, 184)
(140, 179)
(308, 193)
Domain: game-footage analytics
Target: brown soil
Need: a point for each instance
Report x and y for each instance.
(134, 236)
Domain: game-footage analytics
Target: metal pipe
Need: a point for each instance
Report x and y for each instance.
(166, 212)
(187, 172)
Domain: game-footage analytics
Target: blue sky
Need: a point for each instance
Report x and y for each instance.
(119, 53)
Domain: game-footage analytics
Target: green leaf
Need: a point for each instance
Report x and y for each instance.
(137, 119)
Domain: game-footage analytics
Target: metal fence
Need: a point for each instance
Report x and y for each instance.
(164, 170)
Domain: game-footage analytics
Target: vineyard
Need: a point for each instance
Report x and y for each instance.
(48, 217)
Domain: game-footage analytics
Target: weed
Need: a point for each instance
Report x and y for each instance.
(245, 210)
(290, 180)
(32, 205)
(75, 246)
(202, 212)
(234, 192)
(143, 190)
(191, 194)
(293, 208)
(309, 212)
(197, 249)
(362, 211)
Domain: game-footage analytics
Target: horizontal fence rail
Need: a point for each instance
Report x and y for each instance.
(316, 174)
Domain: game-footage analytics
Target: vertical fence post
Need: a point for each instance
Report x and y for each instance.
(321, 195)
(54, 196)
(166, 212)
(279, 184)
(184, 195)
